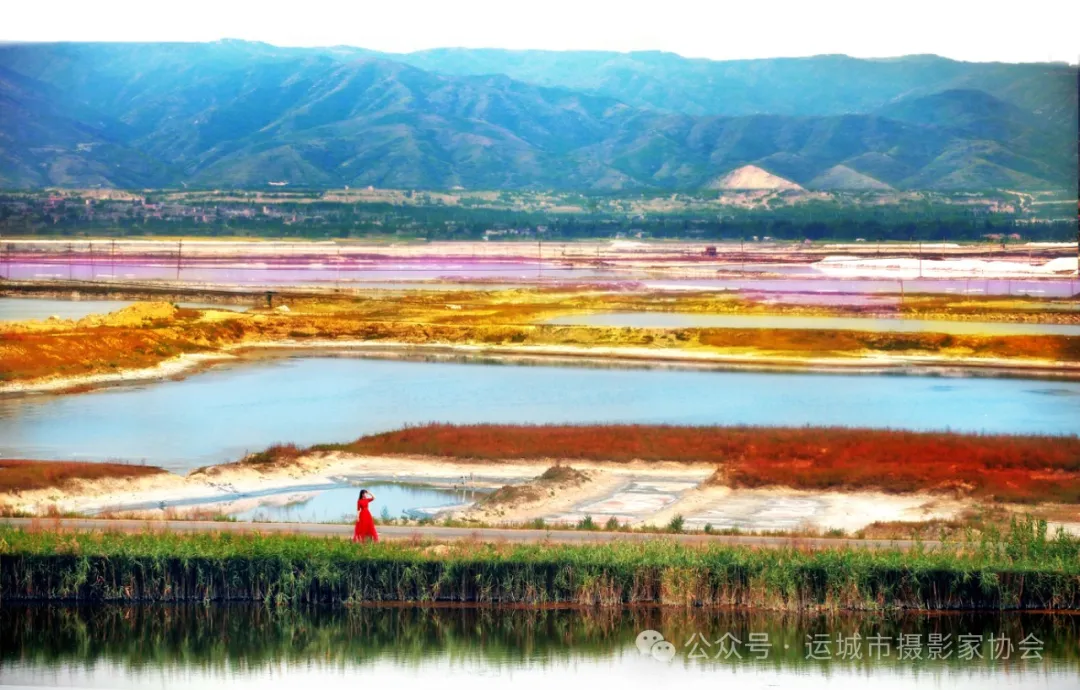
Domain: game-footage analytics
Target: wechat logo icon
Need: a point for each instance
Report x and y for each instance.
(652, 643)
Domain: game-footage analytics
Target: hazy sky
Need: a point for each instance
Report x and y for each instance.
(1016, 31)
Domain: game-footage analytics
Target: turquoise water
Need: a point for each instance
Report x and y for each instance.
(223, 413)
(19, 309)
(641, 319)
(318, 502)
(339, 504)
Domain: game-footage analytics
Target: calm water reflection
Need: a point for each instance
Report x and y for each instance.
(394, 500)
(221, 414)
(321, 504)
(203, 646)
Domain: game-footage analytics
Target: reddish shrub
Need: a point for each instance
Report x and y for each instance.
(1011, 468)
(28, 475)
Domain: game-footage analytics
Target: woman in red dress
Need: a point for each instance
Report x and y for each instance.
(365, 524)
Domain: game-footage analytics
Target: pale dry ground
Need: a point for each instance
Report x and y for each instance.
(751, 177)
(606, 482)
(866, 362)
(147, 313)
(322, 469)
(182, 364)
(637, 494)
(556, 498)
(784, 509)
(225, 481)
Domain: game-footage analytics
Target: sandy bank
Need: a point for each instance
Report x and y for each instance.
(635, 494)
(183, 364)
(778, 509)
(866, 362)
(234, 481)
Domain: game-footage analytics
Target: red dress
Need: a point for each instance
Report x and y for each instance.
(365, 524)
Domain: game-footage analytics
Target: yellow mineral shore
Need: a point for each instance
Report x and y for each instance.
(149, 340)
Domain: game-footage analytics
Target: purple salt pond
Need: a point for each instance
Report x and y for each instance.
(292, 273)
(1034, 287)
(366, 271)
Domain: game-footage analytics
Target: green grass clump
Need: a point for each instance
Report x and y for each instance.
(1021, 569)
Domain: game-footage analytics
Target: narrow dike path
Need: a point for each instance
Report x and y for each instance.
(436, 533)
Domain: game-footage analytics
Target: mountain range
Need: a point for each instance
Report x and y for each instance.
(244, 114)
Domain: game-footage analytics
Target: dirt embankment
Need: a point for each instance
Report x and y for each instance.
(137, 337)
(650, 492)
(997, 467)
(637, 494)
(144, 336)
(19, 476)
(231, 481)
(559, 487)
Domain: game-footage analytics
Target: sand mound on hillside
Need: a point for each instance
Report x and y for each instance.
(137, 314)
(752, 177)
(555, 478)
(843, 177)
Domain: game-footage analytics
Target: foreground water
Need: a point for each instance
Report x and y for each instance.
(843, 323)
(320, 503)
(244, 646)
(221, 414)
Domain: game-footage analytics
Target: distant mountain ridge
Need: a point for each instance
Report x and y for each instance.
(242, 114)
(819, 85)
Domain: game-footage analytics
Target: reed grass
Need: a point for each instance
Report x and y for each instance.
(1021, 569)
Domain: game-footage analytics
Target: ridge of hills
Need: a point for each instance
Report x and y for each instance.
(241, 114)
